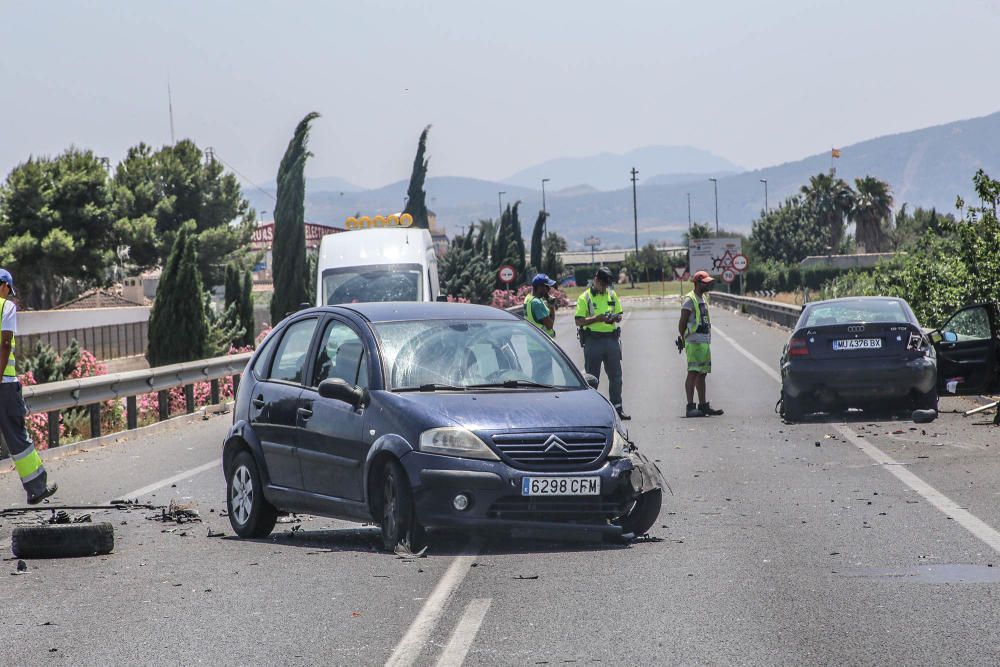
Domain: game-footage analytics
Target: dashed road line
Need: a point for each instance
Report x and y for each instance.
(465, 633)
(410, 646)
(976, 526)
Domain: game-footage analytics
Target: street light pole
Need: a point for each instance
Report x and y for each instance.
(499, 202)
(715, 185)
(635, 213)
(764, 181)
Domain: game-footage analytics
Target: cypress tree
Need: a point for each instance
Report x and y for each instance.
(232, 294)
(536, 241)
(517, 252)
(416, 203)
(289, 247)
(246, 308)
(178, 327)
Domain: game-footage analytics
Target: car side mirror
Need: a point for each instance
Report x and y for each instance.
(591, 380)
(338, 390)
(949, 336)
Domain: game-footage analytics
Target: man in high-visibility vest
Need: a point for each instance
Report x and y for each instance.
(695, 329)
(12, 409)
(541, 311)
(598, 312)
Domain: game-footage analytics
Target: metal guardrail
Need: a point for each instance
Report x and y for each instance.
(91, 392)
(782, 314)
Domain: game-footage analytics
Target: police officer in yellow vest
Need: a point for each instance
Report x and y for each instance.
(598, 312)
(12, 409)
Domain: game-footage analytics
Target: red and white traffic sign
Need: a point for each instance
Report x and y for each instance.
(681, 272)
(728, 276)
(507, 274)
(740, 263)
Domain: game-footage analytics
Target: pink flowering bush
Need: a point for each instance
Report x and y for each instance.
(457, 299)
(506, 299)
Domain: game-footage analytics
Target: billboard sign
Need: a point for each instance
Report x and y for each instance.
(715, 255)
(263, 235)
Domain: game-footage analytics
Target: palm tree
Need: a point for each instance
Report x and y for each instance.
(830, 200)
(872, 206)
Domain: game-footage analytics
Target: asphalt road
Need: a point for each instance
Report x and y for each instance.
(868, 542)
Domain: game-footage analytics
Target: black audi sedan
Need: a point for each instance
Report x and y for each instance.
(417, 415)
(858, 352)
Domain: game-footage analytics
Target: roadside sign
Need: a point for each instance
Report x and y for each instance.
(506, 274)
(714, 255)
(740, 263)
(681, 273)
(728, 276)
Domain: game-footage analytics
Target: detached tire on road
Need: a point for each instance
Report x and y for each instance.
(643, 514)
(250, 514)
(792, 409)
(63, 541)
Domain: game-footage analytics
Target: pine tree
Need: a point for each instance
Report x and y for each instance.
(246, 309)
(289, 246)
(416, 202)
(178, 326)
(536, 241)
(465, 272)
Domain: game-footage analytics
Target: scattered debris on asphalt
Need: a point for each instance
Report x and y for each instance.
(178, 513)
(215, 533)
(526, 578)
(22, 568)
(403, 553)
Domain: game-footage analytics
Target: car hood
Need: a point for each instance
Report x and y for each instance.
(507, 410)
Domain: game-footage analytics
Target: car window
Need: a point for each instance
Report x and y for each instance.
(857, 310)
(260, 363)
(970, 324)
(366, 284)
(341, 355)
(290, 357)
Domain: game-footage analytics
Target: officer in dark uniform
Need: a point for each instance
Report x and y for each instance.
(598, 313)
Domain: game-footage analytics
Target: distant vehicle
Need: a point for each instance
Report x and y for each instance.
(870, 351)
(424, 415)
(568, 282)
(377, 264)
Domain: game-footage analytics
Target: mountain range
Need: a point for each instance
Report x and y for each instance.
(927, 167)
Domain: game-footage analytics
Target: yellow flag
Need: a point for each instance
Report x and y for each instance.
(835, 152)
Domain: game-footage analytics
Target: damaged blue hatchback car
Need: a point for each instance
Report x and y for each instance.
(422, 415)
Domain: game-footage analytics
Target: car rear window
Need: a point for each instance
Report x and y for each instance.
(860, 310)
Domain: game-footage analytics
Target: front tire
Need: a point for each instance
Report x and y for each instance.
(399, 517)
(926, 401)
(643, 514)
(250, 514)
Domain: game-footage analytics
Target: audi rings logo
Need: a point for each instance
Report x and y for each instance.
(857, 328)
(555, 442)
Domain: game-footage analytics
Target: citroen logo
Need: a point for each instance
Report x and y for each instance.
(555, 442)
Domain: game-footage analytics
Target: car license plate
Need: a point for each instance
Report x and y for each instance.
(560, 486)
(858, 344)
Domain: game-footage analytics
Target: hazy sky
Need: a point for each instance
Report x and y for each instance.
(505, 84)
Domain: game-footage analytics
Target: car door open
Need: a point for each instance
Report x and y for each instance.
(967, 351)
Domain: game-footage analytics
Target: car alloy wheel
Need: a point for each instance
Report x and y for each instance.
(250, 513)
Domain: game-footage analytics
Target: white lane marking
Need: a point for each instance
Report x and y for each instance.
(410, 646)
(946, 505)
(179, 477)
(465, 633)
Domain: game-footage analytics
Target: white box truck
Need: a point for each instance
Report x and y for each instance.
(377, 264)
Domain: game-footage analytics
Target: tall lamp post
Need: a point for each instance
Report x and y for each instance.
(545, 214)
(635, 213)
(715, 185)
(764, 181)
(500, 202)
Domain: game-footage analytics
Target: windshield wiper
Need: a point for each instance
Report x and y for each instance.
(512, 384)
(432, 386)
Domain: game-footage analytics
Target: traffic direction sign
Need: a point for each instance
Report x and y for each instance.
(507, 274)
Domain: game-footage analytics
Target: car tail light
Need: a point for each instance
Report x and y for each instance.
(797, 347)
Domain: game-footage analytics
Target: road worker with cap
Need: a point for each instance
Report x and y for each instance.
(12, 409)
(540, 310)
(695, 329)
(598, 314)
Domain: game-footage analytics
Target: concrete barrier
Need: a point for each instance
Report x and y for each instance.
(781, 314)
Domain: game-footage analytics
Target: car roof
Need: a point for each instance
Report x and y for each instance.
(844, 299)
(402, 311)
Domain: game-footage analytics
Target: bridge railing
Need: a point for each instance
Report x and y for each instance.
(784, 315)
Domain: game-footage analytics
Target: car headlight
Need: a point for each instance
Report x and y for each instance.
(455, 441)
(618, 445)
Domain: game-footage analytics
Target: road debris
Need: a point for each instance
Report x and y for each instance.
(526, 578)
(178, 513)
(22, 568)
(215, 533)
(404, 553)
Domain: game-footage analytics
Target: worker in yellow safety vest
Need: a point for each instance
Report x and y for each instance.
(598, 314)
(12, 409)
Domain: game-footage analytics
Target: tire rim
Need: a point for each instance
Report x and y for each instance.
(241, 495)
(390, 518)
